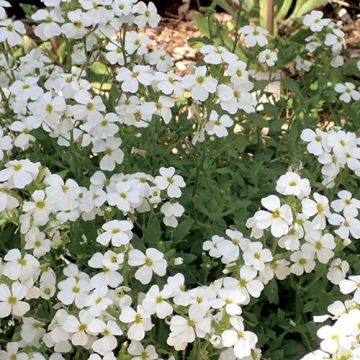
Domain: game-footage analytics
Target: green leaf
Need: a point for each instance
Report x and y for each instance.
(28, 9)
(263, 13)
(304, 6)
(271, 292)
(240, 141)
(152, 232)
(283, 9)
(227, 6)
(182, 229)
(219, 34)
(99, 68)
(293, 86)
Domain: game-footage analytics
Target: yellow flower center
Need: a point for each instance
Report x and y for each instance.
(12, 300)
(138, 319)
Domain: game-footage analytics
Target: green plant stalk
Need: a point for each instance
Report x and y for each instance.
(237, 34)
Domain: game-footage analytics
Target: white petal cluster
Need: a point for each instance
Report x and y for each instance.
(87, 203)
(325, 34)
(335, 150)
(339, 338)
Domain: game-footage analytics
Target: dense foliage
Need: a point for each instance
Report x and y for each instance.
(146, 214)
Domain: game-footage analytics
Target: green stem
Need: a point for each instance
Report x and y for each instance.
(198, 168)
(237, 34)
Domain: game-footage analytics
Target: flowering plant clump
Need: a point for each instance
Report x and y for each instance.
(148, 214)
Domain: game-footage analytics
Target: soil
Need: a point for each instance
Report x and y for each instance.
(177, 27)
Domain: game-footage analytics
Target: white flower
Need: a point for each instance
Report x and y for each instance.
(217, 54)
(116, 231)
(313, 43)
(303, 261)
(279, 217)
(278, 268)
(73, 291)
(199, 84)
(131, 78)
(124, 196)
(19, 173)
(169, 181)
(350, 285)
(87, 107)
(254, 35)
(302, 64)
(140, 322)
(110, 263)
(98, 300)
(37, 240)
(169, 83)
(256, 256)
(146, 14)
(292, 184)
(3, 4)
(162, 107)
(63, 194)
(172, 210)
(317, 141)
(154, 303)
(217, 125)
(231, 301)
(315, 21)
(321, 245)
(79, 327)
(153, 261)
(40, 208)
(161, 59)
(12, 348)
(215, 246)
(319, 207)
(247, 283)
(175, 287)
(256, 233)
(48, 110)
(115, 54)
(113, 153)
(122, 7)
(137, 349)
(336, 40)
(108, 341)
(7, 201)
(102, 128)
(291, 241)
(242, 341)
(347, 91)
(204, 296)
(11, 31)
(346, 204)
(24, 139)
(267, 56)
(183, 330)
(10, 300)
(333, 337)
(337, 271)
(232, 248)
(76, 28)
(237, 72)
(31, 331)
(18, 267)
(237, 96)
(5, 143)
(337, 61)
(347, 226)
(48, 26)
(136, 43)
